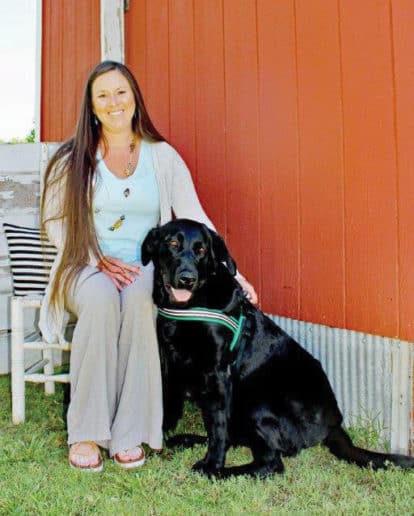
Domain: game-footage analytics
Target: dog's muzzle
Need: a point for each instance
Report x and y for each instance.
(185, 282)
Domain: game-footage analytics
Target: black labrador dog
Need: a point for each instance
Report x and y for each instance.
(255, 385)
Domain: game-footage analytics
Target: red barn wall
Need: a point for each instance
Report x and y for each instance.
(296, 119)
(70, 49)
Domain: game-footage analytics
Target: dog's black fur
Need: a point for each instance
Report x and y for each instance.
(272, 396)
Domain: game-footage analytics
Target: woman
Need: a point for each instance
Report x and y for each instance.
(104, 189)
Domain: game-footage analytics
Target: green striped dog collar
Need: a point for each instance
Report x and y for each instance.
(207, 315)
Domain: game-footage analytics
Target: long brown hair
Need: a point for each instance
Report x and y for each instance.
(74, 166)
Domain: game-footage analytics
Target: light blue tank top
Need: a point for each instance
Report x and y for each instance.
(126, 209)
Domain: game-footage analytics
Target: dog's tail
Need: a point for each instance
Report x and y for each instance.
(340, 444)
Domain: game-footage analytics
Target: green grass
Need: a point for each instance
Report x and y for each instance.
(35, 478)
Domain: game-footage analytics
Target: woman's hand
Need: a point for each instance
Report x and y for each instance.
(248, 289)
(120, 273)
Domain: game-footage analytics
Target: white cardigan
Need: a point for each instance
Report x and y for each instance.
(177, 195)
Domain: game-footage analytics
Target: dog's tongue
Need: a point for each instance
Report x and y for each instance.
(181, 295)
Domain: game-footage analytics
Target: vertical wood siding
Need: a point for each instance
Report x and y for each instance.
(296, 118)
(402, 17)
(371, 231)
(279, 158)
(70, 48)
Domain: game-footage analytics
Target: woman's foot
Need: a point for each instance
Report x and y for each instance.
(85, 455)
(128, 459)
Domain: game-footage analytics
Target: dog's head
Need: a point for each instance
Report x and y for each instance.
(185, 253)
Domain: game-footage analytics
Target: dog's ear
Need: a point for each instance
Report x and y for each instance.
(221, 253)
(150, 246)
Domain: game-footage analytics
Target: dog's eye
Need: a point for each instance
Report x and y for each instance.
(200, 249)
(173, 243)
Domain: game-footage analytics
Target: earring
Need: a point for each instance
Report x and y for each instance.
(95, 120)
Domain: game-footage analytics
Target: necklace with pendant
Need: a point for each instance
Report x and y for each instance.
(129, 169)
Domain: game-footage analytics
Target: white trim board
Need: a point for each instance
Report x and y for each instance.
(112, 30)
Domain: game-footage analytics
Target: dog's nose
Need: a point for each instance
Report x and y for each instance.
(186, 280)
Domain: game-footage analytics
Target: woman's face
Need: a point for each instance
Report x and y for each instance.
(113, 101)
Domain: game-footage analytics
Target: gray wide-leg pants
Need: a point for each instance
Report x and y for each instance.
(116, 393)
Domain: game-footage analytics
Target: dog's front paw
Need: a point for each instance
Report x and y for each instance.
(206, 468)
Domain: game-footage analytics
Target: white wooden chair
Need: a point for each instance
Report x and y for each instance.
(40, 372)
(31, 256)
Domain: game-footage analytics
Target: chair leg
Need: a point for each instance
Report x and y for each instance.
(49, 369)
(17, 362)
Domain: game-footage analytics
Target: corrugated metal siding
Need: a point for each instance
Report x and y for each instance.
(372, 376)
(296, 120)
(70, 49)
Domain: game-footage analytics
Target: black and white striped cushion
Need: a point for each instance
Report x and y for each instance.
(31, 257)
